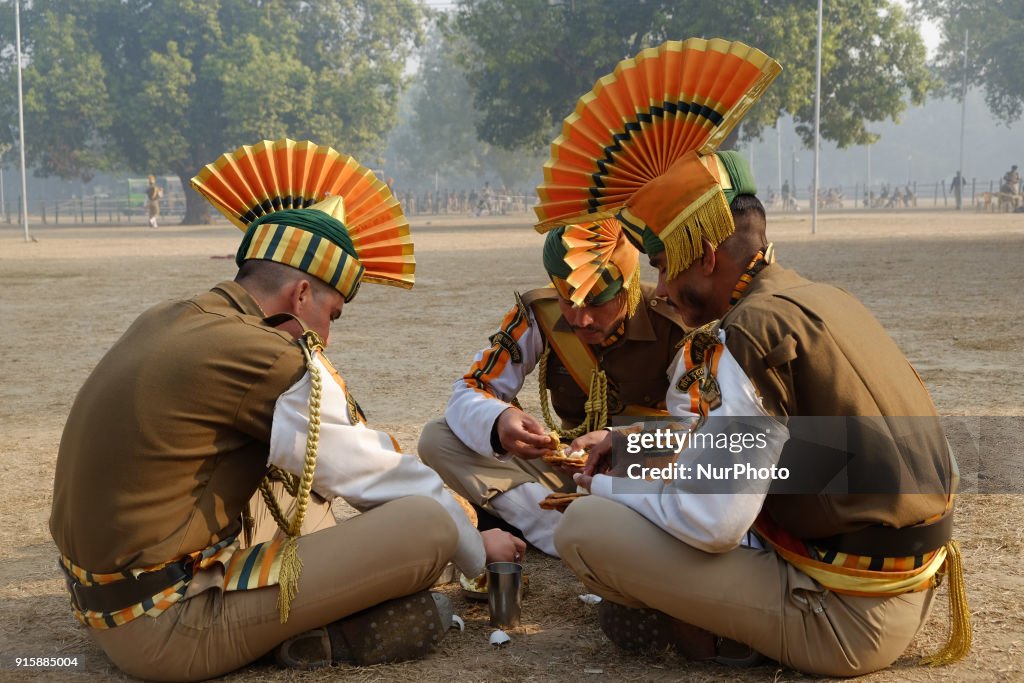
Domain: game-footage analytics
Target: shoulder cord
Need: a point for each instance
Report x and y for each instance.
(596, 407)
(298, 487)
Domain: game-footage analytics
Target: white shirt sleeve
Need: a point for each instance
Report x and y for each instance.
(713, 515)
(476, 402)
(360, 465)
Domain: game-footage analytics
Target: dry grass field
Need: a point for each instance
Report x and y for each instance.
(944, 285)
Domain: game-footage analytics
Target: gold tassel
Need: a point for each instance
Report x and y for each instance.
(712, 220)
(596, 406)
(960, 633)
(633, 293)
(288, 579)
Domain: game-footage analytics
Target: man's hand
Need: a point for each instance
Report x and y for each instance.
(501, 546)
(588, 441)
(599, 448)
(521, 435)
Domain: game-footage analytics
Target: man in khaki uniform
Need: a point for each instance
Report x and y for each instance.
(602, 343)
(834, 583)
(201, 400)
(153, 195)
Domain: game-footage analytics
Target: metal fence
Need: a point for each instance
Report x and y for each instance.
(977, 195)
(980, 195)
(94, 210)
(451, 202)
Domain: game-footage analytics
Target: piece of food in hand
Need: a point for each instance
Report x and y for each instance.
(562, 456)
(560, 501)
(556, 439)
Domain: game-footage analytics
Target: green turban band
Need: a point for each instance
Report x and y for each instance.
(309, 240)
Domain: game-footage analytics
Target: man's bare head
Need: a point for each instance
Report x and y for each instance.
(701, 292)
(278, 288)
(751, 223)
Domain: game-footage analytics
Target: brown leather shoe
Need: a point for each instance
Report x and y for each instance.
(309, 650)
(740, 655)
(393, 631)
(642, 629)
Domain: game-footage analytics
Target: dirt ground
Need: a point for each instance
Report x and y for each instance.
(943, 284)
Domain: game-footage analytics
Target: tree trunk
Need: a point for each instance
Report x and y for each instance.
(197, 209)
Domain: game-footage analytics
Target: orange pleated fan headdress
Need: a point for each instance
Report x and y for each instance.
(642, 144)
(592, 263)
(312, 208)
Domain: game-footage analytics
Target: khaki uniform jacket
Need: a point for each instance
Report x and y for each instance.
(168, 438)
(814, 350)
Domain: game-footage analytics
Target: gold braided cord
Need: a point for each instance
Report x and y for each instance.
(960, 632)
(248, 525)
(596, 407)
(287, 479)
(272, 505)
(299, 487)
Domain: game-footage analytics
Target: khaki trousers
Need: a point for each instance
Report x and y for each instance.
(479, 478)
(393, 550)
(752, 596)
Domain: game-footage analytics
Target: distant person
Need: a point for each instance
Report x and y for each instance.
(957, 186)
(787, 198)
(1011, 181)
(485, 207)
(895, 199)
(909, 197)
(153, 195)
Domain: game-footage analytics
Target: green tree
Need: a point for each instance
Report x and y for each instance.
(65, 105)
(528, 61)
(169, 86)
(438, 130)
(995, 55)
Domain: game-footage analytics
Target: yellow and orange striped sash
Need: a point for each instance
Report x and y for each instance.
(254, 567)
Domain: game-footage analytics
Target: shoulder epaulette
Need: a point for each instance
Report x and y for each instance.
(535, 295)
(660, 306)
(521, 306)
(702, 337)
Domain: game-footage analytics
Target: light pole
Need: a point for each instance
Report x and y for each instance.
(792, 177)
(778, 151)
(963, 122)
(21, 121)
(817, 127)
(3, 201)
(867, 190)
